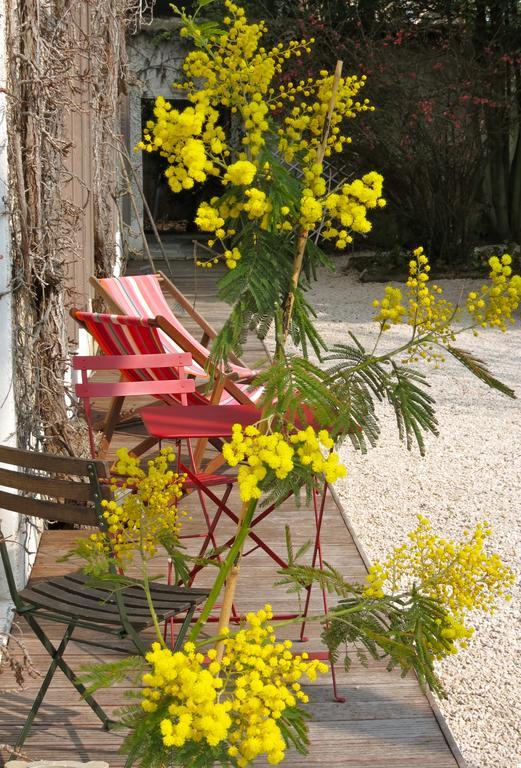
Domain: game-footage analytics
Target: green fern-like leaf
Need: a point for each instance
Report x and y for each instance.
(97, 676)
(479, 369)
(413, 406)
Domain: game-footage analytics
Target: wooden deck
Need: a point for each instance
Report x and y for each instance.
(386, 722)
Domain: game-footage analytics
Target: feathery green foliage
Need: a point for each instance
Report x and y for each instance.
(344, 396)
(480, 370)
(404, 629)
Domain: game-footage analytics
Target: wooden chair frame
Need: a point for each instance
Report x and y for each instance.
(68, 600)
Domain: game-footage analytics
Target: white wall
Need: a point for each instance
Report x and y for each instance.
(13, 527)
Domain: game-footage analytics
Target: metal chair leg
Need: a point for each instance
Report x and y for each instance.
(56, 654)
(184, 627)
(58, 661)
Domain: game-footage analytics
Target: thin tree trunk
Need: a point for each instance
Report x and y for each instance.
(303, 237)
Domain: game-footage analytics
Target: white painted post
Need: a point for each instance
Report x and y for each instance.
(13, 526)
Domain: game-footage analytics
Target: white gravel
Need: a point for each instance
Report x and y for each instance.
(471, 472)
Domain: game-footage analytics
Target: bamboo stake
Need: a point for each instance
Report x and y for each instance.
(226, 567)
(127, 161)
(233, 575)
(304, 235)
(230, 586)
(137, 214)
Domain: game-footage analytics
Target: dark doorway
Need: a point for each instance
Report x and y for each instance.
(173, 213)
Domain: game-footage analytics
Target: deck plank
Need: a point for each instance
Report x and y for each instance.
(386, 722)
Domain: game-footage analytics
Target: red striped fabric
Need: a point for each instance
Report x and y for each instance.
(141, 296)
(124, 335)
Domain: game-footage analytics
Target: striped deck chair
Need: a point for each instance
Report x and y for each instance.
(123, 335)
(145, 296)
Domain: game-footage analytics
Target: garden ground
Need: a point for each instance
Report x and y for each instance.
(471, 473)
(387, 722)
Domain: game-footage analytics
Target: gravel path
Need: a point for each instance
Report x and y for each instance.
(471, 472)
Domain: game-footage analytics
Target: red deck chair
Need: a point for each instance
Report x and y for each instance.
(121, 334)
(144, 296)
(124, 335)
(171, 382)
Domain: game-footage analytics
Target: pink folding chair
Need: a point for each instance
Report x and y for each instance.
(144, 296)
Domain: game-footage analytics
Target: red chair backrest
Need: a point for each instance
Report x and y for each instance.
(173, 384)
(134, 336)
(178, 385)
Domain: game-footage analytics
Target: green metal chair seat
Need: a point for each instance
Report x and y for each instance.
(69, 597)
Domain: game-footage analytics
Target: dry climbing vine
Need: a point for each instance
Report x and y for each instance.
(64, 57)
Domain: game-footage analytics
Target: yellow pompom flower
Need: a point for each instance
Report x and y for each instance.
(495, 304)
(146, 508)
(240, 173)
(274, 456)
(390, 309)
(237, 702)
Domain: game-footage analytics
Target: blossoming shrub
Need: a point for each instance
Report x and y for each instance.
(273, 456)
(433, 318)
(231, 69)
(143, 516)
(461, 576)
(199, 711)
(492, 306)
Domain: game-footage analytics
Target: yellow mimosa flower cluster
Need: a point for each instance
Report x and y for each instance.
(148, 509)
(231, 69)
(240, 173)
(494, 305)
(239, 700)
(432, 317)
(347, 209)
(262, 453)
(461, 575)
(390, 308)
(310, 446)
(277, 454)
(425, 311)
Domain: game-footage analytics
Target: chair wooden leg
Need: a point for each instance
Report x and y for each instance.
(214, 464)
(110, 425)
(144, 446)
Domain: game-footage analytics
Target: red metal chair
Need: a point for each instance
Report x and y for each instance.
(173, 383)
